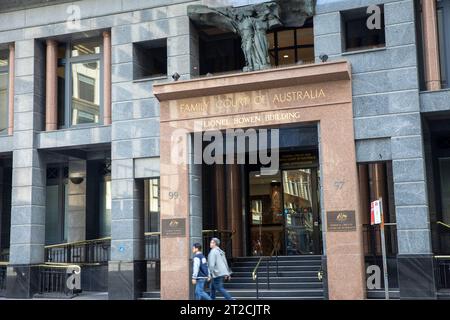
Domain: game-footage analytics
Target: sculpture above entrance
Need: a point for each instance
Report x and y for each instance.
(251, 23)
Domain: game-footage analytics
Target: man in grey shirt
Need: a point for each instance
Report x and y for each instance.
(218, 267)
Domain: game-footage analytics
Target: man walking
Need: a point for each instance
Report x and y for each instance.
(200, 272)
(219, 270)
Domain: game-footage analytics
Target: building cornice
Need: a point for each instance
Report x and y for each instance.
(256, 80)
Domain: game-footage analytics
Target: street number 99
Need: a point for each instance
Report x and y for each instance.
(173, 195)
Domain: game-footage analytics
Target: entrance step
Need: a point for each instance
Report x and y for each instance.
(274, 285)
(263, 274)
(276, 293)
(151, 295)
(379, 294)
(281, 263)
(443, 294)
(280, 258)
(281, 279)
(263, 268)
(296, 278)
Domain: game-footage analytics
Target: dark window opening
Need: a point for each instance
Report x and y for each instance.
(5, 206)
(98, 199)
(150, 59)
(56, 205)
(219, 51)
(437, 143)
(357, 34)
(376, 182)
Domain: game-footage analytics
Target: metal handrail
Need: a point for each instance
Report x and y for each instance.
(149, 234)
(255, 270)
(443, 224)
(60, 245)
(226, 243)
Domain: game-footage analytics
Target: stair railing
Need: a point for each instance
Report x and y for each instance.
(255, 270)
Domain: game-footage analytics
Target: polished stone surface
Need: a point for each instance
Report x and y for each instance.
(331, 105)
(22, 281)
(416, 277)
(126, 280)
(94, 278)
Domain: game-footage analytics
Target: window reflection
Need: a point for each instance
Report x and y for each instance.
(85, 48)
(291, 46)
(85, 92)
(3, 102)
(152, 204)
(105, 208)
(79, 86)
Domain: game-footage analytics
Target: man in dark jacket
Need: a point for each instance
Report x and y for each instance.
(200, 272)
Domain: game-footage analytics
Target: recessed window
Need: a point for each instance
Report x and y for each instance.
(4, 84)
(358, 35)
(150, 59)
(79, 83)
(219, 51)
(291, 46)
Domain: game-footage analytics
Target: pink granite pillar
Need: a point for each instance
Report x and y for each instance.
(431, 46)
(12, 54)
(106, 78)
(51, 89)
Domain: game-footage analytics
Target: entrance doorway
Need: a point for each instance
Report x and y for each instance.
(284, 212)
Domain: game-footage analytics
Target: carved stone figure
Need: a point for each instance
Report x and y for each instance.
(252, 22)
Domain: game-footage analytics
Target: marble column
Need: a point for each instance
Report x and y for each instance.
(106, 78)
(12, 54)
(126, 269)
(431, 45)
(51, 89)
(28, 175)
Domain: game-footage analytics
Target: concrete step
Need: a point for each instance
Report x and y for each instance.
(154, 295)
(380, 294)
(274, 285)
(247, 274)
(281, 258)
(274, 298)
(276, 293)
(263, 268)
(443, 294)
(263, 279)
(273, 263)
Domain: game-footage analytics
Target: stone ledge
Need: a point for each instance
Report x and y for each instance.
(256, 80)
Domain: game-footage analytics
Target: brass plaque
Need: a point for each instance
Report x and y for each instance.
(341, 221)
(288, 160)
(173, 227)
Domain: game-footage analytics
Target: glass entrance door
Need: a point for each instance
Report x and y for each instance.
(284, 212)
(301, 214)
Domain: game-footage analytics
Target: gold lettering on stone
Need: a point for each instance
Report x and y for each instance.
(293, 96)
(241, 102)
(194, 107)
